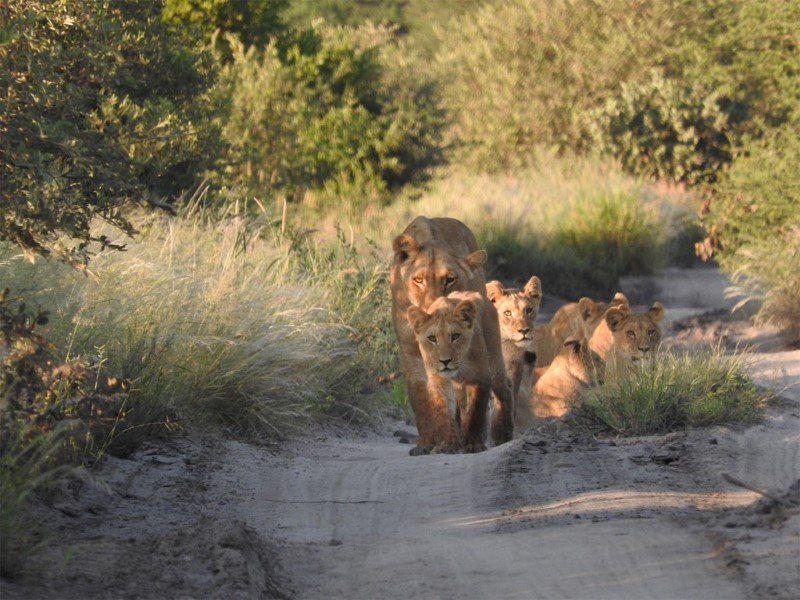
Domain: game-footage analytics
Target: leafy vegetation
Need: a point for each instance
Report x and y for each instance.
(343, 130)
(99, 114)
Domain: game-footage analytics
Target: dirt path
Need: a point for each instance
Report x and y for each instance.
(549, 515)
(347, 514)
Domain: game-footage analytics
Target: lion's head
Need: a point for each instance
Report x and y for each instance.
(430, 271)
(444, 333)
(637, 335)
(516, 309)
(591, 313)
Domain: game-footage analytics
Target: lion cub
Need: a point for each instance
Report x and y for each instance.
(558, 384)
(454, 353)
(517, 311)
(635, 336)
(575, 320)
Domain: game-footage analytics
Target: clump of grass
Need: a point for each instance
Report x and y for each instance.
(673, 392)
(229, 321)
(769, 278)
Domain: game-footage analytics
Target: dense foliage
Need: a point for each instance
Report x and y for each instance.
(99, 114)
(317, 113)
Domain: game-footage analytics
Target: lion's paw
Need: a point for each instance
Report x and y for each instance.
(420, 450)
(475, 448)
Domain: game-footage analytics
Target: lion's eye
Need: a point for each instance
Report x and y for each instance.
(631, 334)
(507, 313)
(528, 310)
(432, 339)
(418, 280)
(651, 332)
(449, 280)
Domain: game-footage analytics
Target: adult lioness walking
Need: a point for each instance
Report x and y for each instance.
(433, 257)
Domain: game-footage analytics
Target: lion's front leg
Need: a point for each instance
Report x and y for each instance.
(473, 416)
(447, 434)
(502, 425)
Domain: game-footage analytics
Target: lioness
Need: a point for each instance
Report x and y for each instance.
(455, 355)
(434, 257)
(558, 384)
(572, 321)
(517, 310)
(636, 336)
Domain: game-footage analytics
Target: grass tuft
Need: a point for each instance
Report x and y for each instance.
(675, 391)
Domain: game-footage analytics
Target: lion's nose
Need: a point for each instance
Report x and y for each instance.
(525, 331)
(445, 362)
(644, 350)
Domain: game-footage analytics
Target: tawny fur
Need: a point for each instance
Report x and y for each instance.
(575, 320)
(434, 257)
(454, 352)
(635, 335)
(517, 310)
(558, 384)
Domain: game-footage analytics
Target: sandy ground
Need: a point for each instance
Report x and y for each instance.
(344, 513)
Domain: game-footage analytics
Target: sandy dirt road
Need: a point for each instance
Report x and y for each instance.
(550, 515)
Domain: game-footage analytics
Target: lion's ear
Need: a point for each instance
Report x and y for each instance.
(620, 299)
(587, 308)
(476, 259)
(533, 289)
(615, 317)
(656, 312)
(404, 246)
(417, 317)
(494, 290)
(466, 312)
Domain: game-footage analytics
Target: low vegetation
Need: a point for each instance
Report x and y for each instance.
(674, 391)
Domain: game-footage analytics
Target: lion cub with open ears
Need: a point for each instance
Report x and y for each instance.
(455, 355)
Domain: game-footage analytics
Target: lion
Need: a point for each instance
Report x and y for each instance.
(455, 355)
(432, 258)
(558, 384)
(517, 310)
(574, 320)
(636, 336)
(602, 338)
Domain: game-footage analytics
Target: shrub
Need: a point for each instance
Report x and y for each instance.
(519, 74)
(99, 114)
(315, 113)
(753, 227)
(674, 391)
(662, 130)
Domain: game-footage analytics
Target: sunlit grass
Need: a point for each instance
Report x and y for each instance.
(672, 392)
(232, 323)
(578, 224)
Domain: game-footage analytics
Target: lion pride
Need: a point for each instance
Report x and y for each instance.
(432, 258)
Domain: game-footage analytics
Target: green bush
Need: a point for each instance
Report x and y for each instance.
(99, 113)
(662, 130)
(520, 74)
(315, 113)
(753, 228)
